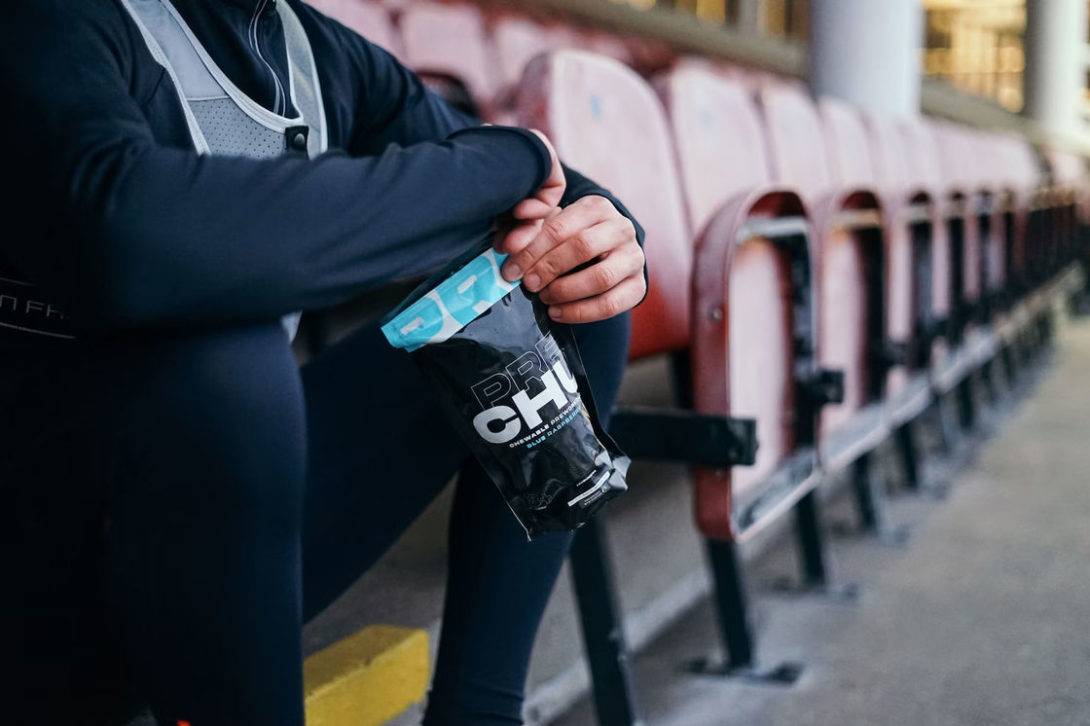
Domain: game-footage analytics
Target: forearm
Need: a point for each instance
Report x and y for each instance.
(398, 108)
(172, 238)
(144, 231)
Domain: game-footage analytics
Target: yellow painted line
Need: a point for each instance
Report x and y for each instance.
(367, 678)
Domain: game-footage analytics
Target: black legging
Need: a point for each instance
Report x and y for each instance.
(243, 496)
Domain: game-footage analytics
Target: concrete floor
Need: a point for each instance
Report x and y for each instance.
(982, 618)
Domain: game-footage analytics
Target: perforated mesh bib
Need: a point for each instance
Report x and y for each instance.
(230, 131)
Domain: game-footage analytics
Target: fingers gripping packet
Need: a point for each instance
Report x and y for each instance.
(515, 390)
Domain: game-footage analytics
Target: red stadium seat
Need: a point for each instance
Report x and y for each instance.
(1066, 173)
(923, 181)
(1002, 226)
(1044, 190)
(447, 43)
(960, 351)
(845, 135)
(324, 6)
(883, 166)
(952, 362)
(1017, 178)
(606, 121)
(367, 18)
(1023, 164)
(897, 170)
(650, 56)
(987, 226)
(966, 192)
(923, 166)
(1067, 169)
(795, 141)
(517, 39)
(1001, 161)
(752, 269)
(727, 182)
(718, 137)
(879, 163)
(753, 340)
(990, 226)
(851, 269)
(1041, 221)
(607, 44)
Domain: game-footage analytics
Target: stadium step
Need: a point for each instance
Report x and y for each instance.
(368, 678)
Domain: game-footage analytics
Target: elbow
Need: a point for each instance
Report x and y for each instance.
(115, 244)
(117, 287)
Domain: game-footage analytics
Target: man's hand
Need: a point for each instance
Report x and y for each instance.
(548, 195)
(589, 234)
(521, 226)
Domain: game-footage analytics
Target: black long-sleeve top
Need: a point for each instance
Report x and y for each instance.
(119, 222)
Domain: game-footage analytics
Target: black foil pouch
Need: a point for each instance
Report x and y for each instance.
(515, 389)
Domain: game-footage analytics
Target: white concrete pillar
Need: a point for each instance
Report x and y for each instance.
(868, 53)
(1055, 58)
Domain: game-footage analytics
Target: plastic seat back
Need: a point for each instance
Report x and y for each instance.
(990, 157)
(991, 228)
(965, 252)
(924, 175)
(761, 355)
(955, 155)
(846, 141)
(369, 19)
(722, 153)
(795, 140)
(800, 158)
(517, 40)
(650, 56)
(1024, 160)
(606, 122)
(843, 325)
(449, 41)
(923, 160)
(1008, 172)
(1067, 169)
(851, 148)
(980, 169)
(718, 138)
(888, 155)
(607, 44)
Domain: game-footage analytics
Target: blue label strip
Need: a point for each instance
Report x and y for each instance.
(452, 304)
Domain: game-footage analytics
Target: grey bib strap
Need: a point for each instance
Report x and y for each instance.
(160, 32)
(306, 88)
(222, 119)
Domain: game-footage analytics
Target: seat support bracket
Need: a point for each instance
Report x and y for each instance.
(677, 435)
